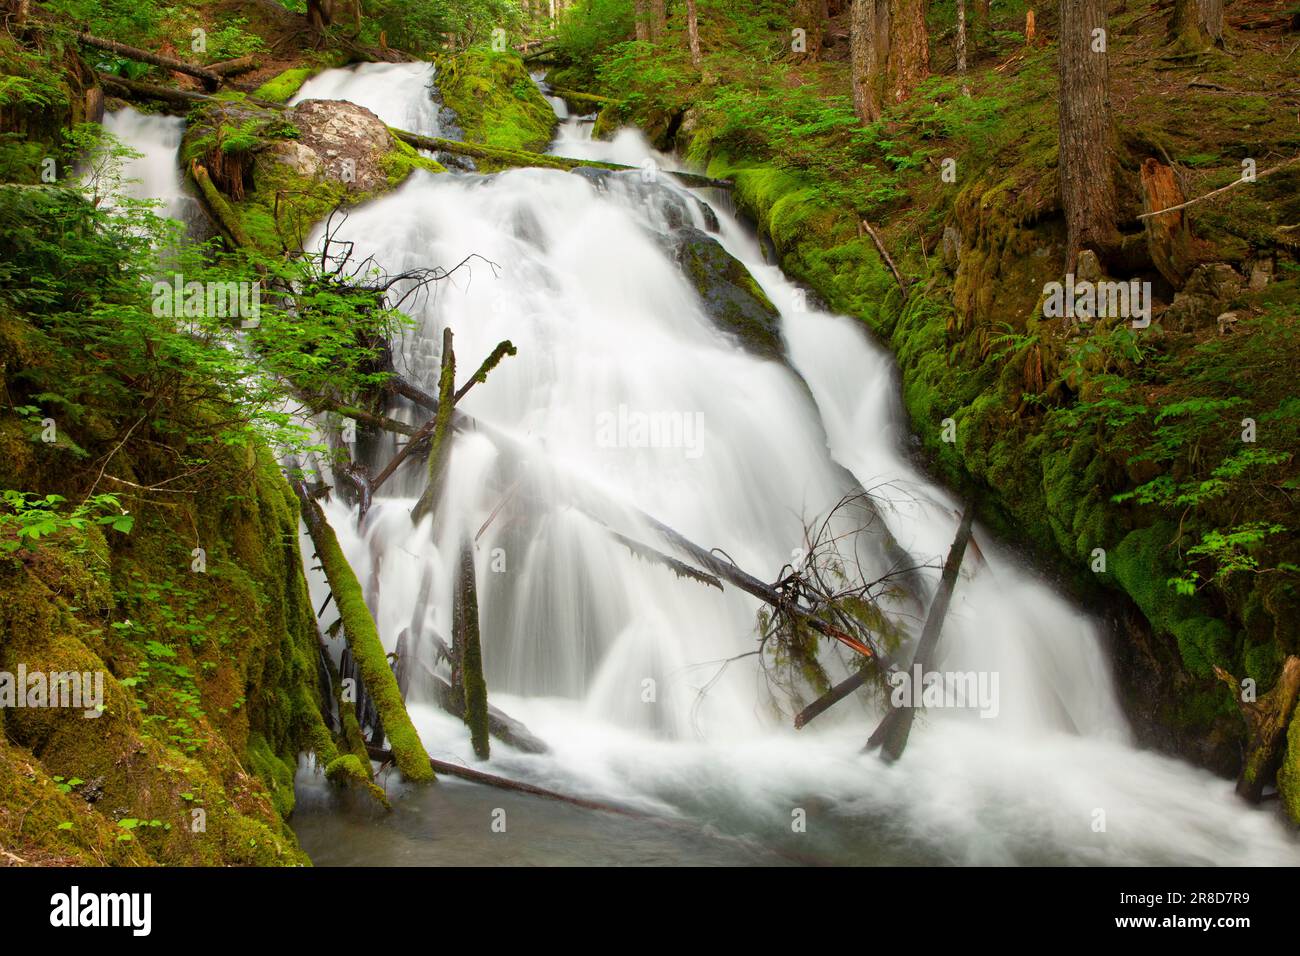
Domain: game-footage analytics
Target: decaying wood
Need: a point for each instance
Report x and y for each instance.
(235, 67)
(1267, 720)
(1222, 189)
(1169, 240)
(211, 80)
(893, 731)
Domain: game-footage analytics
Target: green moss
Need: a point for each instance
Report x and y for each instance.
(282, 87)
(1288, 777)
(495, 100)
(403, 159)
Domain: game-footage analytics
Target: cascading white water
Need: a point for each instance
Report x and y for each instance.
(156, 173)
(617, 663)
(398, 93)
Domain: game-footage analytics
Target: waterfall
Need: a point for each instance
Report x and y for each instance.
(638, 679)
(155, 174)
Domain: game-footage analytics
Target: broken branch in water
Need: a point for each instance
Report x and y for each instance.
(893, 731)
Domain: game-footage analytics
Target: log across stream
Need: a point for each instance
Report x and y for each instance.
(636, 677)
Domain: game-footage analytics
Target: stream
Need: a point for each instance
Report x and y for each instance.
(637, 678)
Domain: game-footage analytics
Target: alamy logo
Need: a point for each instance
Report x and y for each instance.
(72, 909)
(627, 428)
(946, 689)
(1098, 300)
(80, 690)
(220, 300)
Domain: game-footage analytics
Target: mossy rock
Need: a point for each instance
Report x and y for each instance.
(728, 293)
(495, 100)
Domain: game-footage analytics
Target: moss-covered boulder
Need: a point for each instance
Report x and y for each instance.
(276, 174)
(495, 100)
(729, 294)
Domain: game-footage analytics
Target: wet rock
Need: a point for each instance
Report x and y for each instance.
(349, 141)
(1261, 274)
(730, 295)
(1088, 268)
(951, 248)
(710, 217)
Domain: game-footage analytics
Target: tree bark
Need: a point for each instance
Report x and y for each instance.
(865, 56)
(210, 80)
(693, 32)
(1169, 240)
(1086, 134)
(1197, 24)
(908, 62)
(468, 651)
(642, 14)
(658, 20)
(961, 45)
(1266, 728)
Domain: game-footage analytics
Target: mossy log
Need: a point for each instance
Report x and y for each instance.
(468, 652)
(363, 638)
(227, 221)
(1266, 727)
(577, 97)
(439, 446)
(522, 157)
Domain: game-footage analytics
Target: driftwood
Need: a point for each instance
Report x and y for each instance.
(363, 639)
(211, 80)
(893, 731)
(1266, 726)
(584, 97)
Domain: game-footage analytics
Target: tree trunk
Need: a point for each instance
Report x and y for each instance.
(693, 32)
(908, 62)
(866, 58)
(1197, 24)
(808, 16)
(642, 20)
(1169, 240)
(1086, 135)
(1266, 728)
(961, 45)
(658, 20)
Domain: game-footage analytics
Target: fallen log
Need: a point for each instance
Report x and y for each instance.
(211, 80)
(705, 560)
(1267, 720)
(584, 97)
(520, 157)
(363, 638)
(468, 653)
(502, 783)
(169, 94)
(893, 731)
(235, 67)
(227, 221)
